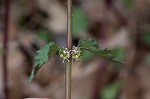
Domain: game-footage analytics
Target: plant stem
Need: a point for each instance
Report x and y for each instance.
(68, 79)
(69, 46)
(5, 47)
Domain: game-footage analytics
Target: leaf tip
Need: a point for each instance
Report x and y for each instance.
(31, 77)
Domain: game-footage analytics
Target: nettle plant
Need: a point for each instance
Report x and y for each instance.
(69, 53)
(85, 44)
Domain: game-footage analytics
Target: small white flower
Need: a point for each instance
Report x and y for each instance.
(76, 53)
(76, 56)
(61, 55)
(64, 54)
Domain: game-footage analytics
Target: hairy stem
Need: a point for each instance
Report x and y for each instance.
(69, 46)
(5, 47)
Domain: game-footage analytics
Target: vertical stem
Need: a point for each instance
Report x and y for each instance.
(69, 46)
(5, 48)
(68, 79)
(69, 25)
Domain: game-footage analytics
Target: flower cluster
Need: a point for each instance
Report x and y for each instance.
(76, 53)
(65, 54)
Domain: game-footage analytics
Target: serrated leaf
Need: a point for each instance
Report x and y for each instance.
(43, 55)
(87, 55)
(119, 52)
(88, 44)
(92, 46)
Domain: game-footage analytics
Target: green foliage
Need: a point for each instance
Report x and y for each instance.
(80, 21)
(111, 91)
(119, 53)
(76, 53)
(87, 55)
(92, 46)
(88, 44)
(42, 57)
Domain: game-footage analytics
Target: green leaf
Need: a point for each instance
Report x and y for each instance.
(111, 91)
(92, 46)
(119, 53)
(88, 44)
(80, 21)
(43, 55)
(87, 55)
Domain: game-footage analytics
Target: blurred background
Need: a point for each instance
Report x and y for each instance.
(120, 25)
